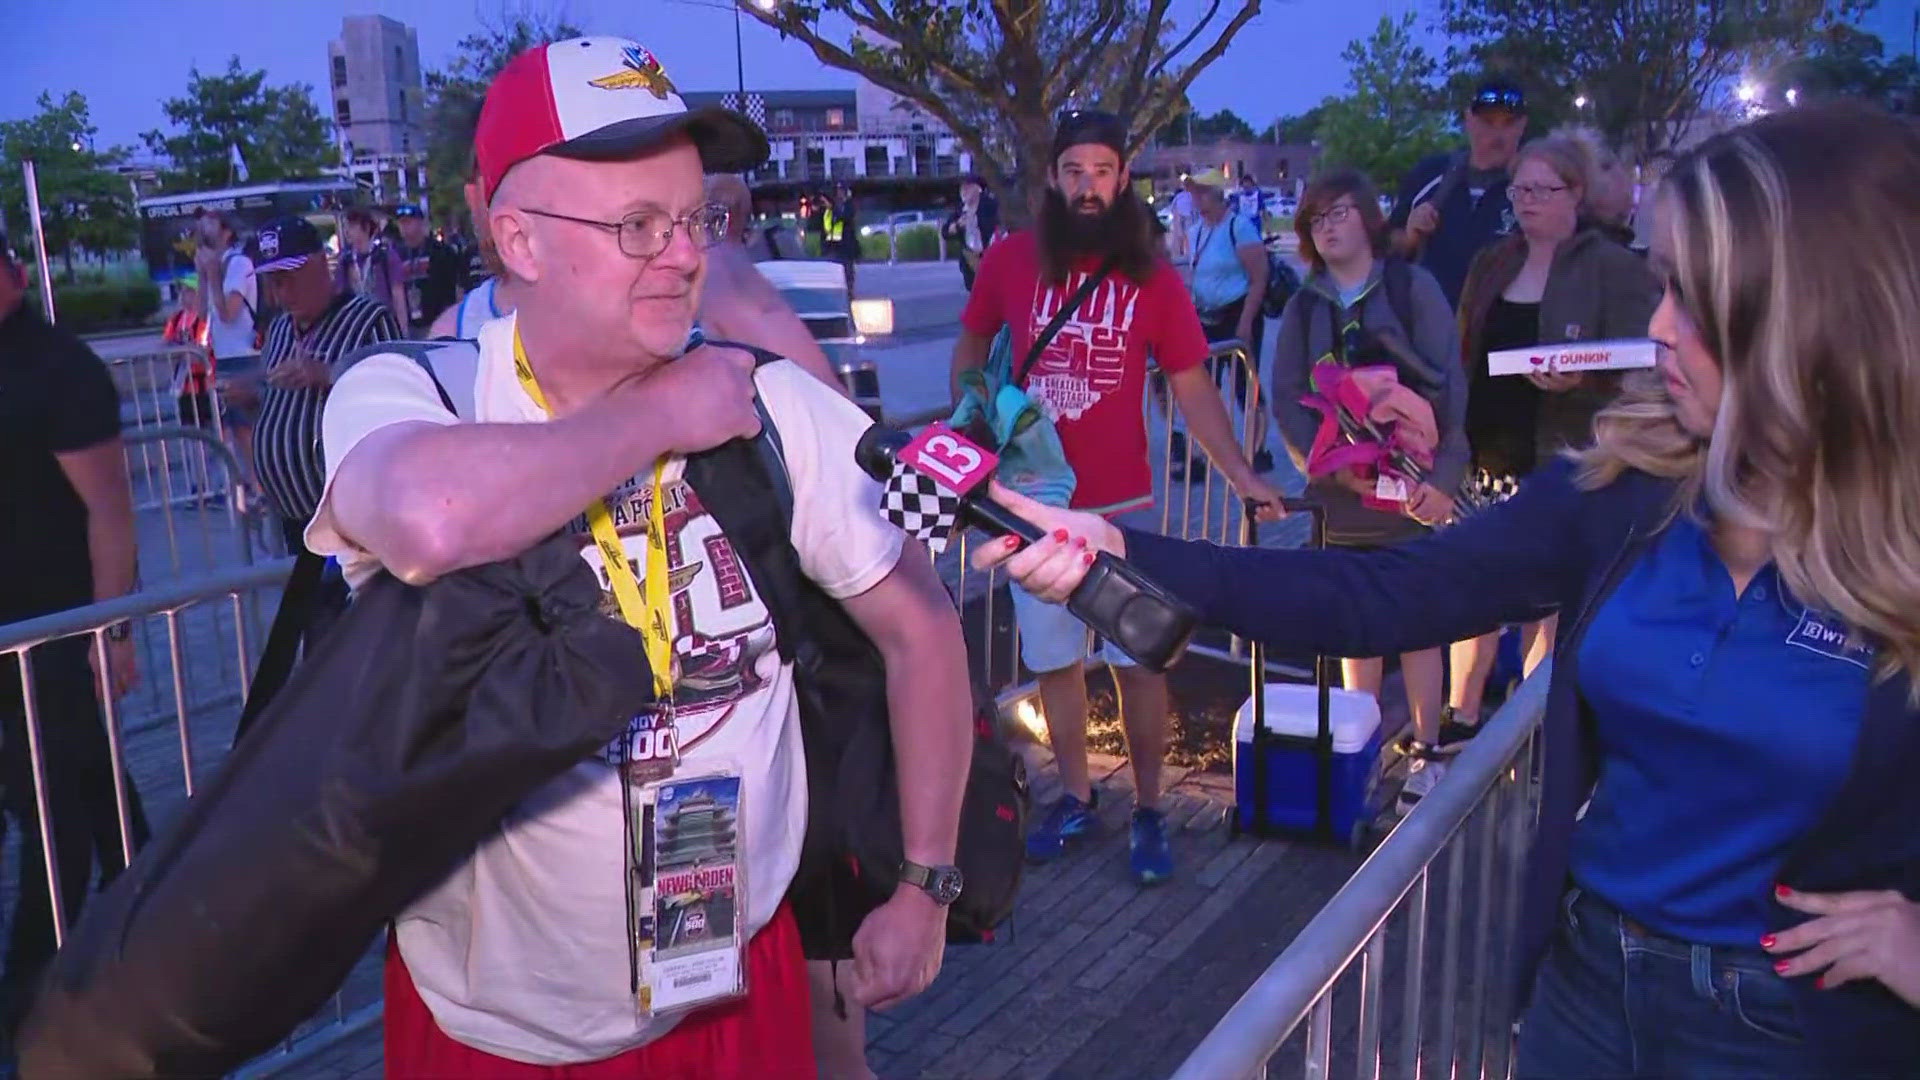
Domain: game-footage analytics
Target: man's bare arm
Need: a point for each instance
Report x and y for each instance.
(741, 305)
(428, 499)
(917, 631)
(99, 476)
(969, 354)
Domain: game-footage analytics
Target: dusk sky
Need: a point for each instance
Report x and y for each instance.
(126, 56)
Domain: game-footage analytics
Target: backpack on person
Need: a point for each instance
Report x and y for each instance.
(850, 860)
(1396, 279)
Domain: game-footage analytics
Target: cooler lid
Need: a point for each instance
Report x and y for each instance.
(1294, 709)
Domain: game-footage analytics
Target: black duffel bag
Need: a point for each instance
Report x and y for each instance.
(422, 718)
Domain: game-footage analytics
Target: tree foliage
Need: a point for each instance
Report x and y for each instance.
(454, 94)
(1296, 130)
(1392, 115)
(997, 72)
(1850, 62)
(279, 132)
(1649, 69)
(84, 205)
(1222, 126)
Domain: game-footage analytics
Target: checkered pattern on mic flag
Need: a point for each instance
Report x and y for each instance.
(920, 506)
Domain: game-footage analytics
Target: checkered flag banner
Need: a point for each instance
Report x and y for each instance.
(920, 506)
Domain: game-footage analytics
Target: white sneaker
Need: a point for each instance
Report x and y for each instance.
(1422, 773)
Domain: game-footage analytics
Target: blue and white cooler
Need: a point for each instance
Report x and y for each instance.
(1281, 783)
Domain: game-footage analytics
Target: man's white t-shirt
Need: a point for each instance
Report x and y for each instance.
(235, 338)
(522, 952)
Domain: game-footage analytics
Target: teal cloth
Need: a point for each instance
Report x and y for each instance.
(994, 411)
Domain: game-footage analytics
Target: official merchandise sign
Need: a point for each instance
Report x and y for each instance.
(1572, 357)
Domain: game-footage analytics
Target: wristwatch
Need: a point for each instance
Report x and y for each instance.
(943, 883)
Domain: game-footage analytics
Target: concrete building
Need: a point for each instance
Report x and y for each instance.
(1286, 166)
(379, 106)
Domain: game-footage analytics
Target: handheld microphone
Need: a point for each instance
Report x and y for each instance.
(1120, 603)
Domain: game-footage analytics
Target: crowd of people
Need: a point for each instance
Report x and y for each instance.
(1729, 539)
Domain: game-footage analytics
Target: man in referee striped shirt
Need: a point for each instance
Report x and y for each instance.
(318, 325)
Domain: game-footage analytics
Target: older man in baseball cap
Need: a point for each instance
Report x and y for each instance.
(629, 920)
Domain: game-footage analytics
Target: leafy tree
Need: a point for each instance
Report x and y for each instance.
(1391, 116)
(1222, 126)
(454, 94)
(84, 204)
(1850, 62)
(1648, 71)
(1295, 130)
(997, 72)
(277, 131)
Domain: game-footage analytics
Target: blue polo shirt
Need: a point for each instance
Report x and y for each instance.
(1725, 726)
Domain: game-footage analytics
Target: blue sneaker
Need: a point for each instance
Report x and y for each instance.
(1068, 819)
(1150, 856)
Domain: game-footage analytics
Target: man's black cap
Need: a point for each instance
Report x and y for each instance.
(1090, 127)
(286, 244)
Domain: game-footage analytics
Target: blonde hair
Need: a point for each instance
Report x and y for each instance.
(1609, 191)
(1795, 247)
(1567, 156)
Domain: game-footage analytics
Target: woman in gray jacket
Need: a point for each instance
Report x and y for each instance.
(1558, 278)
(1360, 308)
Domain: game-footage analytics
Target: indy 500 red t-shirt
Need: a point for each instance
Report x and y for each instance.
(1092, 377)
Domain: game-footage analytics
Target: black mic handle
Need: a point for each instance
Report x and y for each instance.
(1127, 608)
(987, 515)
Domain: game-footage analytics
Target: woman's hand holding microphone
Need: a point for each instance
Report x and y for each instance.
(1052, 567)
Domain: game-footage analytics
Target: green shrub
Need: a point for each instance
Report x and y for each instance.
(916, 243)
(98, 305)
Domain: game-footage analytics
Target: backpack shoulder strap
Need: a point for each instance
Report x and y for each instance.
(745, 485)
(453, 365)
(1397, 278)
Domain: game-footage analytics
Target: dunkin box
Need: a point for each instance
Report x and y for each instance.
(1572, 357)
(1289, 792)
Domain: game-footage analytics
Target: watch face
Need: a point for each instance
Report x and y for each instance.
(946, 884)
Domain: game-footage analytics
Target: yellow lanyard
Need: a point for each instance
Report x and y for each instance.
(649, 615)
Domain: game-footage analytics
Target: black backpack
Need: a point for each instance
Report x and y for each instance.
(850, 860)
(1396, 278)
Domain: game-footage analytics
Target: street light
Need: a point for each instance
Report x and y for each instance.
(1580, 102)
(1747, 93)
(1793, 95)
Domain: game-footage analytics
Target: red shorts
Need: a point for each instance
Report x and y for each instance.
(769, 1034)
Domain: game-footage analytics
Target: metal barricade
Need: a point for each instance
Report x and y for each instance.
(1376, 939)
(195, 642)
(192, 510)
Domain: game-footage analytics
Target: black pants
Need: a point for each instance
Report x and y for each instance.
(330, 599)
(1223, 323)
(80, 799)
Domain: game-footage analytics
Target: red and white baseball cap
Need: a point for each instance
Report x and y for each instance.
(599, 98)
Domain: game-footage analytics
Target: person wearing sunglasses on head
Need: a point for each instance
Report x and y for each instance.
(1452, 205)
(1724, 872)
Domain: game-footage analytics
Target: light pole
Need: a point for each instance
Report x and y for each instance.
(39, 236)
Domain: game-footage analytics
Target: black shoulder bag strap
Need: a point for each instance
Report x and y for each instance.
(1046, 334)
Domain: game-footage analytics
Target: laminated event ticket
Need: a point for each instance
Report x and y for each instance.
(691, 922)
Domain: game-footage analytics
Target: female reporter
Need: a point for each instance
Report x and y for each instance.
(1738, 561)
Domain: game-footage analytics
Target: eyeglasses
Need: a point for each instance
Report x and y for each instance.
(1533, 193)
(1332, 215)
(646, 233)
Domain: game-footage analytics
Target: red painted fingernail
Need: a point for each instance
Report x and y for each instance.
(1766, 941)
(1782, 891)
(1060, 535)
(1780, 966)
(1820, 983)
(1079, 541)
(1087, 558)
(1012, 542)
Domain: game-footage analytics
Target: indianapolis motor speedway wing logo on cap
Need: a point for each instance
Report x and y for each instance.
(641, 71)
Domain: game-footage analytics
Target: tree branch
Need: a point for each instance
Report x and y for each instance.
(1213, 52)
(1134, 93)
(1193, 35)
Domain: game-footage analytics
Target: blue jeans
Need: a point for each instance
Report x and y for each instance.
(1614, 1000)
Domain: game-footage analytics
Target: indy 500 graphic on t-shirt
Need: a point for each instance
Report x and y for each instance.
(1088, 358)
(723, 636)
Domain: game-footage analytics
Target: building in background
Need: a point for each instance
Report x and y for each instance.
(1287, 166)
(871, 138)
(379, 106)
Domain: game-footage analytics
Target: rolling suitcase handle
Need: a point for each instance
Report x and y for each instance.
(1322, 684)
